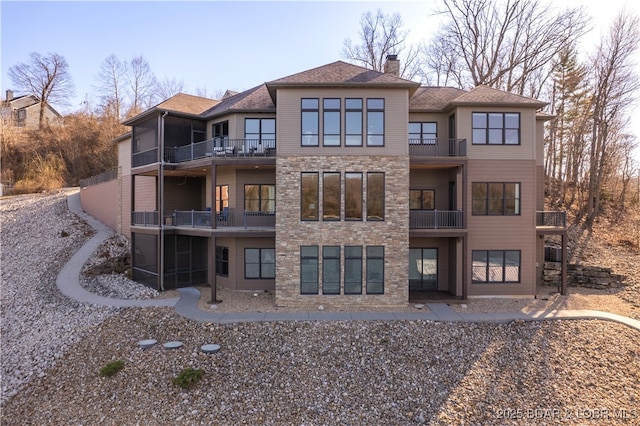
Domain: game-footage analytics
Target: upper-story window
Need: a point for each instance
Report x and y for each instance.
(309, 196)
(496, 128)
(375, 122)
(423, 133)
(310, 121)
(422, 199)
(260, 198)
(495, 198)
(219, 132)
(331, 122)
(353, 122)
(261, 129)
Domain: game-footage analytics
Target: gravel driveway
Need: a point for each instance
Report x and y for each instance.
(302, 373)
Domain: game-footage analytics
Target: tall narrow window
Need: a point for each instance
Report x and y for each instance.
(353, 122)
(331, 270)
(331, 196)
(222, 261)
(353, 270)
(331, 122)
(375, 122)
(309, 196)
(375, 269)
(308, 269)
(353, 196)
(260, 198)
(222, 198)
(375, 196)
(310, 122)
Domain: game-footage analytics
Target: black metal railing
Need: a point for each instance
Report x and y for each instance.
(436, 219)
(103, 177)
(438, 147)
(144, 157)
(224, 219)
(551, 219)
(144, 218)
(221, 147)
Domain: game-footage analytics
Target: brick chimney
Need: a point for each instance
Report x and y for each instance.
(9, 95)
(392, 66)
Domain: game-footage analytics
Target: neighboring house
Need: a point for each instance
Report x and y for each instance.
(24, 111)
(340, 186)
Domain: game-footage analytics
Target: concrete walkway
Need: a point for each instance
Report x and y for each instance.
(68, 283)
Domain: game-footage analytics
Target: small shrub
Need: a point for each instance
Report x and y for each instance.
(112, 368)
(188, 377)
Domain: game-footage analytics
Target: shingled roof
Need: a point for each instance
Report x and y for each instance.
(487, 95)
(180, 103)
(429, 99)
(253, 99)
(340, 73)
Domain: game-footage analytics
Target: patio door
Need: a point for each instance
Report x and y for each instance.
(423, 269)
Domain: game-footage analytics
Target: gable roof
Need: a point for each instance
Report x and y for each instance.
(27, 101)
(254, 99)
(428, 99)
(181, 103)
(487, 95)
(340, 73)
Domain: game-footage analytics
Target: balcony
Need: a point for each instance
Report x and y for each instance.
(438, 147)
(436, 219)
(221, 148)
(202, 219)
(551, 219)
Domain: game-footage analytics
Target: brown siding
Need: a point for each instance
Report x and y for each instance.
(101, 202)
(505, 232)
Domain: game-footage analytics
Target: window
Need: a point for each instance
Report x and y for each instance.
(353, 122)
(309, 196)
(331, 196)
(496, 128)
(375, 269)
(222, 198)
(495, 198)
(375, 122)
(353, 196)
(331, 270)
(423, 269)
(331, 122)
(261, 129)
(259, 263)
(375, 196)
(353, 270)
(422, 199)
(220, 132)
(260, 198)
(308, 269)
(310, 122)
(222, 261)
(423, 133)
(496, 266)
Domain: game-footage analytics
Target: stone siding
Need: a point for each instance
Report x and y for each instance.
(392, 233)
(582, 276)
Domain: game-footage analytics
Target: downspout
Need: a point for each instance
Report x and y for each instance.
(161, 201)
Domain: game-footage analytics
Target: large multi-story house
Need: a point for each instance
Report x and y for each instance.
(340, 186)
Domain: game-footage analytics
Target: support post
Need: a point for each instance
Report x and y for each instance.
(563, 288)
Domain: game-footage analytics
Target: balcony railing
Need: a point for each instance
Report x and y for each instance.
(551, 219)
(221, 147)
(144, 218)
(438, 147)
(144, 157)
(436, 219)
(225, 219)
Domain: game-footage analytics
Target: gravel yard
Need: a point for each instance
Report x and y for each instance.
(311, 373)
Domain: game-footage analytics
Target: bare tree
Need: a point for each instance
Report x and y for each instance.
(168, 88)
(505, 44)
(382, 35)
(47, 77)
(111, 80)
(141, 84)
(615, 84)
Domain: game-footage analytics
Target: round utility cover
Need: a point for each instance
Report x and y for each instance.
(210, 348)
(144, 344)
(172, 345)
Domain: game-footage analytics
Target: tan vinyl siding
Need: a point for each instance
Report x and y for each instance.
(124, 176)
(145, 196)
(288, 126)
(441, 119)
(250, 177)
(505, 232)
(237, 262)
(525, 151)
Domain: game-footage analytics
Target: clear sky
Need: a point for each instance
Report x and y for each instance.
(215, 45)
